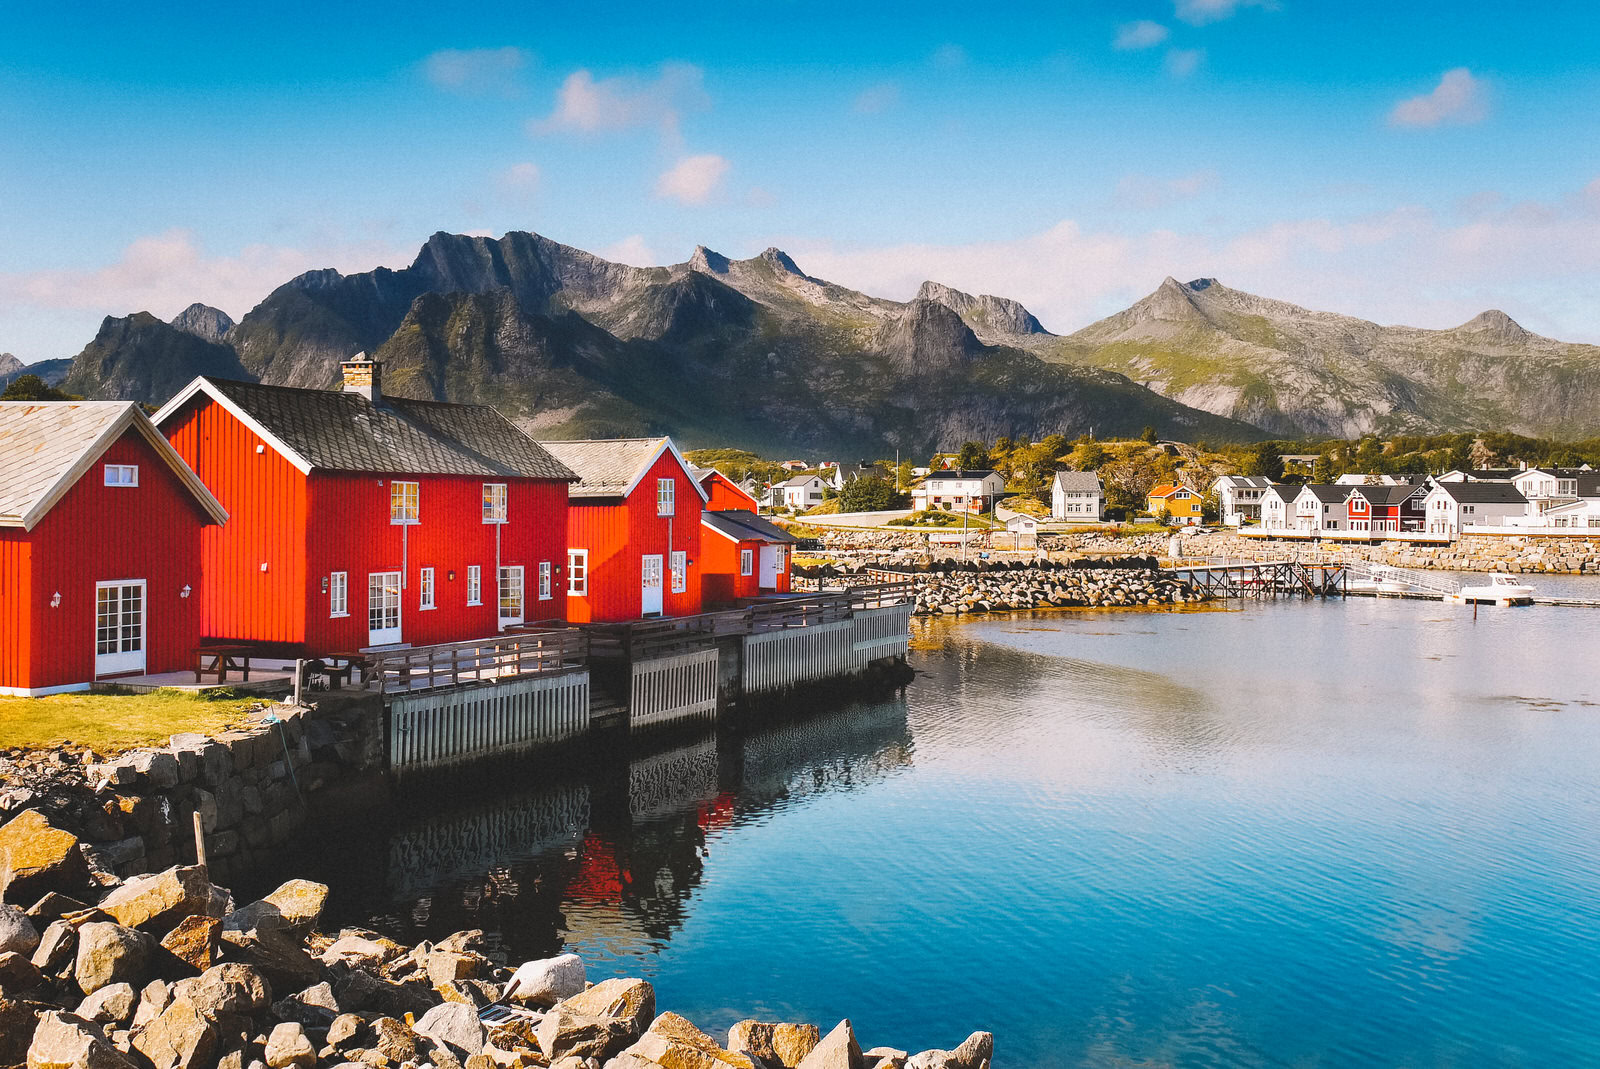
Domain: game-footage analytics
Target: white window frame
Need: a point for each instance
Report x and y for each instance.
(678, 569)
(425, 589)
(666, 497)
(407, 511)
(495, 503)
(503, 585)
(474, 584)
(122, 475)
(338, 595)
(577, 573)
(546, 581)
(747, 562)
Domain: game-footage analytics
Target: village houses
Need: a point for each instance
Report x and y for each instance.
(1182, 504)
(1239, 498)
(1077, 497)
(973, 489)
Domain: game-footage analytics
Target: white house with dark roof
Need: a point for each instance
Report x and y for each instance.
(1320, 507)
(1239, 498)
(1452, 506)
(1277, 507)
(1077, 497)
(974, 489)
(801, 491)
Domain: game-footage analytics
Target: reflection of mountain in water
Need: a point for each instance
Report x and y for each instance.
(608, 856)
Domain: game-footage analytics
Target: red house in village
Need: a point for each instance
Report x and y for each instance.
(1386, 508)
(743, 555)
(360, 520)
(633, 530)
(100, 531)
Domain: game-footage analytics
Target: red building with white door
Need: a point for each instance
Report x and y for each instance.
(360, 520)
(1386, 509)
(743, 555)
(722, 493)
(100, 532)
(633, 530)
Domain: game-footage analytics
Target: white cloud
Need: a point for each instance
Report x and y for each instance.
(632, 250)
(1132, 36)
(589, 105)
(1201, 12)
(1407, 265)
(1149, 191)
(692, 179)
(520, 179)
(1182, 62)
(477, 71)
(1458, 98)
(877, 98)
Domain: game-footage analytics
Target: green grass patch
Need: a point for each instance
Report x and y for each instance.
(109, 722)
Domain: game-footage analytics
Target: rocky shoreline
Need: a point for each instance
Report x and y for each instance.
(166, 971)
(963, 588)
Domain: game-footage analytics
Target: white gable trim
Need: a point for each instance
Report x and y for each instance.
(132, 418)
(688, 470)
(202, 385)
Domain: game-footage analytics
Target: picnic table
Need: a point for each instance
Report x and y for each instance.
(222, 660)
(339, 667)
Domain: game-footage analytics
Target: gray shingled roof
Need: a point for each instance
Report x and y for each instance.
(45, 446)
(339, 431)
(799, 480)
(605, 467)
(745, 526)
(1078, 481)
(1484, 493)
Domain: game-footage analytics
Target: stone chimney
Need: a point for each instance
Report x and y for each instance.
(362, 376)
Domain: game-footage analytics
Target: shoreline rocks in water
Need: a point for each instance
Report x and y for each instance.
(166, 971)
(956, 588)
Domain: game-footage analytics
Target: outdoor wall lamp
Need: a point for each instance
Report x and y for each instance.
(324, 584)
(185, 592)
(450, 575)
(55, 600)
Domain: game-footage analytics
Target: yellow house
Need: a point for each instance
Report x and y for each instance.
(1182, 503)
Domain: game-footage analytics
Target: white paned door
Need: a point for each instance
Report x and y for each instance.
(650, 585)
(119, 627)
(383, 608)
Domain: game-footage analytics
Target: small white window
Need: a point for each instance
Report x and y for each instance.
(680, 571)
(666, 497)
(494, 502)
(474, 584)
(403, 502)
(122, 475)
(577, 573)
(339, 594)
(747, 558)
(544, 580)
(426, 586)
(781, 553)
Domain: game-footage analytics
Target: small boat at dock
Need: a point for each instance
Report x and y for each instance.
(1502, 589)
(1381, 579)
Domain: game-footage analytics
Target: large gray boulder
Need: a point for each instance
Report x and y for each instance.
(18, 934)
(631, 1001)
(110, 954)
(180, 1038)
(292, 910)
(63, 1041)
(456, 1026)
(564, 1034)
(229, 988)
(548, 980)
(113, 1004)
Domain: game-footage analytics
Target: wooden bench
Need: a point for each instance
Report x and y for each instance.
(337, 668)
(222, 660)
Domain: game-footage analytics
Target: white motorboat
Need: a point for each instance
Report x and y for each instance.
(1382, 580)
(1502, 589)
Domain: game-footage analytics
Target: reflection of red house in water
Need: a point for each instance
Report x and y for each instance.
(600, 878)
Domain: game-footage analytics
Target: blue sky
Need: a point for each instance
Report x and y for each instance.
(1404, 162)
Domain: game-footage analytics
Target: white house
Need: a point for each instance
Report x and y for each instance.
(1356, 478)
(1076, 496)
(1239, 498)
(1024, 530)
(1546, 488)
(1277, 506)
(802, 491)
(1321, 507)
(974, 489)
(1454, 505)
(1584, 513)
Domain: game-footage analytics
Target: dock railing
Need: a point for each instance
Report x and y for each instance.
(515, 654)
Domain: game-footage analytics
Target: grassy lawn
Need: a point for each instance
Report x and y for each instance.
(108, 722)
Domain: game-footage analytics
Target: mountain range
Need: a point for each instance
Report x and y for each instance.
(758, 354)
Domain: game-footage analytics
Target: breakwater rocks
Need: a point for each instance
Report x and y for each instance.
(166, 971)
(952, 587)
(1522, 554)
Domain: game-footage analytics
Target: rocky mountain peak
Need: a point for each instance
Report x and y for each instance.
(929, 335)
(1200, 285)
(203, 321)
(779, 260)
(994, 315)
(708, 261)
(10, 365)
(1497, 325)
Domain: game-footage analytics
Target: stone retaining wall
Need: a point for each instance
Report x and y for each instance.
(253, 787)
(1469, 553)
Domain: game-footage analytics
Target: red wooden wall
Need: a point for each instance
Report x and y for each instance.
(98, 533)
(725, 495)
(351, 533)
(617, 533)
(266, 498)
(720, 576)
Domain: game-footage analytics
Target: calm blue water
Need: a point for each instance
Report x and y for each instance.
(1303, 834)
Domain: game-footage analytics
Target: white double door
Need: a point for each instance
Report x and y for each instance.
(650, 577)
(120, 619)
(383, 608)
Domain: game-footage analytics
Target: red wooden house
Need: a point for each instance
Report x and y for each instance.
(100, 531)
(1386, 508)
(722, 493)
(633, 530)
(360, 520)
(743, 555)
